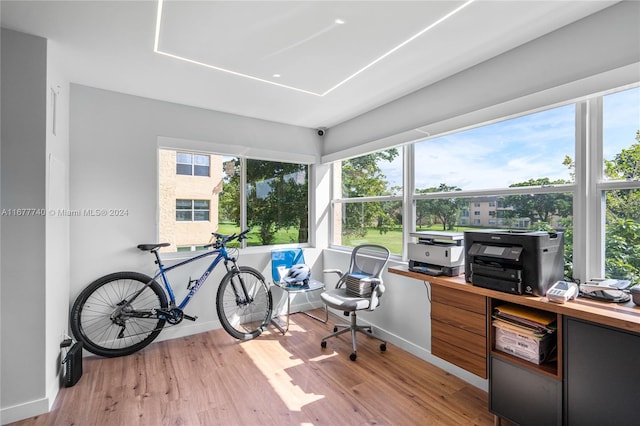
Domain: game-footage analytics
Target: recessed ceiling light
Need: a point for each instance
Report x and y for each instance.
(339, 21)
(276, 75)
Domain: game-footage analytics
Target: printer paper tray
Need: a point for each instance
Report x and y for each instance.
(506, 286)
(496, 272)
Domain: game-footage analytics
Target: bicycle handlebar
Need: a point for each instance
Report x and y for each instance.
(222, 240)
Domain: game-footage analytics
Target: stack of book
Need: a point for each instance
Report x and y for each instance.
(358, 285)
(524, 332)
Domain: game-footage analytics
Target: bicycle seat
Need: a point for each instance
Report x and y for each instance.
(151, 247)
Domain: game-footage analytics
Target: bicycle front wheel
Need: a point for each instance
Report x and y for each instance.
(244, 303)
(116, 315)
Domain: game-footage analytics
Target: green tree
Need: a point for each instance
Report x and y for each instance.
(622, 243)
(277, 197)
(540, 207)
(363, 177)
(441, 210)
(624, 203)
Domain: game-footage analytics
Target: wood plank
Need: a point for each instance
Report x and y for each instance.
(211, 378)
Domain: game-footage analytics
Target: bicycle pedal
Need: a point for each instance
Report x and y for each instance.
(189, 317)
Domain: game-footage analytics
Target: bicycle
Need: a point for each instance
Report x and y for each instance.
(121, 313)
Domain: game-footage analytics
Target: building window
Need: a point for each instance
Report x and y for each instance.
(192, 210)
(192, 164)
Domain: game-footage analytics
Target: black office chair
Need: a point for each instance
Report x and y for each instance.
(358, 289)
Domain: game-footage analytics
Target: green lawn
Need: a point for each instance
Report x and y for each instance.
(392, 239)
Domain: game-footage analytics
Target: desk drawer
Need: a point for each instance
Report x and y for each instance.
(460, 299)
(465, 340)
(472, 362)
(460, 318)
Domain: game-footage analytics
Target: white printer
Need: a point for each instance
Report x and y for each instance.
(437, 253)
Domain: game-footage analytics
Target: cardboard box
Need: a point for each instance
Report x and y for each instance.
(532, 349)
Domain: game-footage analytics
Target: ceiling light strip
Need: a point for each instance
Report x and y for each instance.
(360, 71)
(250, 77)
(404, 43)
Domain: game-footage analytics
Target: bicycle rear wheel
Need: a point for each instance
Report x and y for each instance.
(110, 320)
(244, 318)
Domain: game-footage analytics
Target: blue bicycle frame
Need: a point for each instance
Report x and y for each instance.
(221, 253)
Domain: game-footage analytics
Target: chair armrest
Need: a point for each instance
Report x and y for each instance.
(377, 289)
(335, 271)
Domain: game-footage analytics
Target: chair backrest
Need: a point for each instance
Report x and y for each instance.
(282, 260)
(369, 259)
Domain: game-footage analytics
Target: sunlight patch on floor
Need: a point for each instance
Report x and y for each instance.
(273, 361)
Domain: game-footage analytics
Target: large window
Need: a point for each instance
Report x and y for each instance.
(517, 173)
(201, 193)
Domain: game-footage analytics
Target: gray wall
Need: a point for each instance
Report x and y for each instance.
(23, 294)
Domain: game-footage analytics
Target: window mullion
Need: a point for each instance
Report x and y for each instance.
(408, 203)
(243, 197)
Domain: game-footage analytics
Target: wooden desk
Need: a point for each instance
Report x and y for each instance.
(624, 316)
(589, 381)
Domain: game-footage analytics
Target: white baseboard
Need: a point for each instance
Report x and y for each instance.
(24, 411)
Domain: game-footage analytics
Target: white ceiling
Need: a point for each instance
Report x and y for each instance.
(335, 59)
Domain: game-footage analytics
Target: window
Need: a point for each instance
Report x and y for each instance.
(273, 202)
(517, 173)
(277, 196)
(370, 207)
(192, 164)
(524, 151)
(192, 210)
(621, 187)
(518, 166)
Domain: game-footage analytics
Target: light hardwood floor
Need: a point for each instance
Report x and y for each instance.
(212, 379)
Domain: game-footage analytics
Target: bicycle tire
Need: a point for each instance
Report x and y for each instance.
(93, 323)
(244, 321)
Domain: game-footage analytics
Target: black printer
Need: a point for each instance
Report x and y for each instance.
(518, 262)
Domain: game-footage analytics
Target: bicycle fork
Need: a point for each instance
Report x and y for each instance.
(239, 287)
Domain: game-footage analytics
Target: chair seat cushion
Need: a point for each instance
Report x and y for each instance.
(338, 298)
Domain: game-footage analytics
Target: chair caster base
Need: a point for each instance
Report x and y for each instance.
(353, 356)
(323, 344)
(383, 347)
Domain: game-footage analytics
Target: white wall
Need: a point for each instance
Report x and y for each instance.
(23, 296)
(57, 266)
(599, 52)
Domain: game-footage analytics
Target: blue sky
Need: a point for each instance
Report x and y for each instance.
(516, 150)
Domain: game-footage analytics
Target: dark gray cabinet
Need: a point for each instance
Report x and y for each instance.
(602, 374)
(523, 395)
